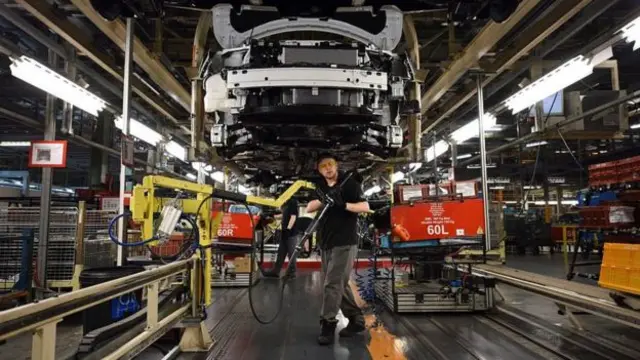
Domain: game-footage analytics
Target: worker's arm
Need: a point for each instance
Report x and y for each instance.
(292, 221)
(313, 206)
(359, 207)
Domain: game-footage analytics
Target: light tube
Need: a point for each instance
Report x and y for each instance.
(191, 177)
(40, 76)
(471, 129)
(218, 176)
(536, 143)
(635, 126)
(566, 74)
(140, 131)
(372, 190)
(15, 143)
(631, 33)
(441, 147)
(463, 156)
(176, 150)
(397, 176)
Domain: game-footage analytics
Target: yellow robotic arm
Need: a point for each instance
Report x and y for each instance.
(144, 206)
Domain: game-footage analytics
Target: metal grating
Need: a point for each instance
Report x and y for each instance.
(61, 248)
(99, 250)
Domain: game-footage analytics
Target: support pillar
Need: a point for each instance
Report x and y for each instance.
(67, 110)
(99, 167)
(483, 162)
(126, 115)
(47, 176)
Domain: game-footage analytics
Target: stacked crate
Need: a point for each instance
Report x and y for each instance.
(620, 269)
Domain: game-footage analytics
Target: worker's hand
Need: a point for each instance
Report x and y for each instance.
(336, 199)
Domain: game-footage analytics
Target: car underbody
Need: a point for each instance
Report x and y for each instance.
(278, 101)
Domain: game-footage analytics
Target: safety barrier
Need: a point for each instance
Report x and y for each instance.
(42, 317)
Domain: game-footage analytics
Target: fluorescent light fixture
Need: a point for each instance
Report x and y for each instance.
(176, 150)
(559, 78)
(140, 131)
(196, 166)
(471, 129)
(244, 190)
(635, 126)
(372, 190)
(478, 166)
(554, 202)
(218, 176)
(529, 187)
(15, 143)
(397, 176)
(191, 177)
(436, 150)
(415, 166)
(40, 76)
(631, 33)
(497, 188)
(463, 156)
(536, 143)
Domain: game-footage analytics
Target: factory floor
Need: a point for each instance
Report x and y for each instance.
(239, 336)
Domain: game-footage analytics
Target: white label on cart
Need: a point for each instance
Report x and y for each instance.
(459, 232)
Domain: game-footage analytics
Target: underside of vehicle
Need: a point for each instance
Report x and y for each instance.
(278, 101)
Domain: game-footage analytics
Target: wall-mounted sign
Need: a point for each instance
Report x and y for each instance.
(48, 153)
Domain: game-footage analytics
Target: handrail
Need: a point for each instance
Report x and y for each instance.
(25, 318)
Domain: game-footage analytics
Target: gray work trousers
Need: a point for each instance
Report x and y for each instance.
(337, 264)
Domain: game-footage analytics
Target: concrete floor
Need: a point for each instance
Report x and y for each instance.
(293, 334)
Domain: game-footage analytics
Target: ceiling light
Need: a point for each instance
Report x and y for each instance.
(635, 126)
(244, 190)
(191, 177)
(463, 156)
(478, 166)
(372, 190)
(40, 76)
(472, 128)
(140, 131)
(415, 166)
(176, 150)
(497, 188)
(536, 143)
(218, 176)
(397, 176)
(631, 33)
(196, 165)
(566, 74)
(15, 143)
(436, 150)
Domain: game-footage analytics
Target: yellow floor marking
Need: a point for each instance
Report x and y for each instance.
(383, 345)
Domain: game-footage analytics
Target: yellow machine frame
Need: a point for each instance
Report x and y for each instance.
(144, 204)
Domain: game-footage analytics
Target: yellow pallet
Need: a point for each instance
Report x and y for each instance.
(620, 269)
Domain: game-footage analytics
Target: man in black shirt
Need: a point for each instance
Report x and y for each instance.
(288, 239)
(338, 238)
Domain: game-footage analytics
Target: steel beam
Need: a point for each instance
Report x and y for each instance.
(84, 44)
(488, 37)
(415, 121)
(597, 8)
(554, 18)
(116, 31)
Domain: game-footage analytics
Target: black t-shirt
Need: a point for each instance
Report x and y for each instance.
(339, 226)
(289, 209)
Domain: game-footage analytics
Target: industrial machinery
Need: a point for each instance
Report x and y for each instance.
(270, 97)
(426, 239)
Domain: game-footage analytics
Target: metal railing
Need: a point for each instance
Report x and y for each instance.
(41, 318)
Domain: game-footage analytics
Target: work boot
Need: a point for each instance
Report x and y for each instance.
(327, 332)
(356, 325)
